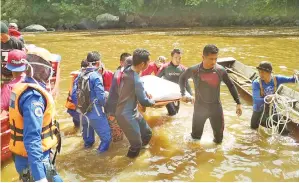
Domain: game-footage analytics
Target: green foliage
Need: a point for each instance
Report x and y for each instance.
(55, 12)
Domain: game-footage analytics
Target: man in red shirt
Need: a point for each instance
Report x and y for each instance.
(107, 77)
(154, 66)
(13, 30)
(17, 64)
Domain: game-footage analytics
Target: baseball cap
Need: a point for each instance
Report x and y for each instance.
(265, 66)
(16, 61)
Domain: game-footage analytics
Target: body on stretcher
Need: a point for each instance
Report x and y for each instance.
(162, 91)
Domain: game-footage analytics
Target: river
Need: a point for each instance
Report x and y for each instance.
(245, 155)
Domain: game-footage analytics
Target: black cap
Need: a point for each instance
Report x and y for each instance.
(93, 56)
(265, 66)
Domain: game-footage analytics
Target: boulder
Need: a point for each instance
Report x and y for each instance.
(139, 22)
(129, 18)
(34, 28)
(86, 24)
(297, 22)
(51, 29)
(107, 20)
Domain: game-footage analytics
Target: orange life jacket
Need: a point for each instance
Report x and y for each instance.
(50, 131)
(69, 102)
(262, 93)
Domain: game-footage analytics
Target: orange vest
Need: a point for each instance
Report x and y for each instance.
(50, 131)
(69, 102)
(262, 93)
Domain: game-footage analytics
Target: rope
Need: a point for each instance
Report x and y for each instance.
(280, 109)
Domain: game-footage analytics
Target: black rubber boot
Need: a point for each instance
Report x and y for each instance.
(133, 154)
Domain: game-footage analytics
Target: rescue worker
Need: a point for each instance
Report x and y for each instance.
(265, 85)
(13, 31)
(8, 43)
(122, 59)
(95, 118)
(70, 105)
(15, 58)
(154, 66)
(171, 72)
(110, 106)
(107, 77)
(131, 90)
(33, 130)
(207, 77)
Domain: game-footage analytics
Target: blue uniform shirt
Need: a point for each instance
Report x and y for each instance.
(32, 107)
(97, 93)
(258, 101)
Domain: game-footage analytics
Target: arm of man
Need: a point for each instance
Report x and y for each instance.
(32, 106)
(232, 88)
(111, 102)
(258, 101)
(141, 94)
(183, 81)
(285, 79)
(188, 87)
(98, 87)
(74, 90)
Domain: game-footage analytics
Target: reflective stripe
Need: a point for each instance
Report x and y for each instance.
(94, 104)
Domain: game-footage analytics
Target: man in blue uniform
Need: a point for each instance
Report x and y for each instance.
(95, 119)
(266, 85)
(33, 131)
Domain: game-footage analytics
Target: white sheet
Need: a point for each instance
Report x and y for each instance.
(161, 89)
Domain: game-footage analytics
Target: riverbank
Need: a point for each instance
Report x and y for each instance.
(94, 15)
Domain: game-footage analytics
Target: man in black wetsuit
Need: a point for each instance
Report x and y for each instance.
(171, 71)
(207, 77)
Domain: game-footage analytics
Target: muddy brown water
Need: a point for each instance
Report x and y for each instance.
(245, 155)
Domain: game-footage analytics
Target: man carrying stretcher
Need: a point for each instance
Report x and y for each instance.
(207, 77)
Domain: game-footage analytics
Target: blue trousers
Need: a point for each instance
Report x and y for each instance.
(76, 117)
(21, 164)
(100, 126)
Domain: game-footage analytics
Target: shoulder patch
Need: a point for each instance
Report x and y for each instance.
(38, 112)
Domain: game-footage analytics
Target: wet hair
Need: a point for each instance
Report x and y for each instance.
(93, 56)
(128, 61)
(176, 50)
(123, 56)
(84, 63)
(140, 55)
(210, 49)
